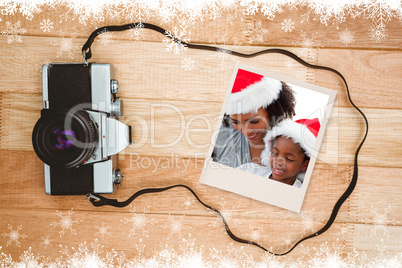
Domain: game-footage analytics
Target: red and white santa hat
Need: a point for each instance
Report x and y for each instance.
(303, 132)
(252, 91)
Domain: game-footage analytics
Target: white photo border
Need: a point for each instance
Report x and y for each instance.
(252, 185)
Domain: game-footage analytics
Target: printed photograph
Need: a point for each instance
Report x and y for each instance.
(266, 145)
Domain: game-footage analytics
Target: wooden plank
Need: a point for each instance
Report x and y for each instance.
(131, 231)
(370, 81)
(25, 171)
(185, 128)
(378, 196)
(160, 128)
(381, 241)
(369, 221)
(153, 73)
(19, 114)
(378, 119)
(147, 70)
(230, 26)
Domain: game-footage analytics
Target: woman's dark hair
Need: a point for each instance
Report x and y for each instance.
(282, 108)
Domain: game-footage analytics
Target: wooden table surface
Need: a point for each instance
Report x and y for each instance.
(167, 98)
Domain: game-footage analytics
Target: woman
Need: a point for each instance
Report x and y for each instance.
(256, 104)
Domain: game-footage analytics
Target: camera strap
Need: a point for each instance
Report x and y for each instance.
(98, 200)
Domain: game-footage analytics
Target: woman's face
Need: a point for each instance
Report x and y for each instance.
(253, 126)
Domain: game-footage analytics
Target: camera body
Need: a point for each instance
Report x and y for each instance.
(78, 135)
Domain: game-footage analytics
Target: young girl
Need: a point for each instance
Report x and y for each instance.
(288, 148)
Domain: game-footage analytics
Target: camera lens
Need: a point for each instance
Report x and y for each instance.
(65, 140)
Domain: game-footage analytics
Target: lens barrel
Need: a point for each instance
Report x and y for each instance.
(64, 140)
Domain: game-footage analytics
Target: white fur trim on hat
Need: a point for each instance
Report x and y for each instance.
(255, 96)
(299, 133)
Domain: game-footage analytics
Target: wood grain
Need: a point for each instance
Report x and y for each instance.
(185, 128)
(138, 68)
(231, 26)
(155, 235)
(169, 101)
(327, 183)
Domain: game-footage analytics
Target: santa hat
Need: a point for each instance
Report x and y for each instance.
(252, 91)
(303, 132)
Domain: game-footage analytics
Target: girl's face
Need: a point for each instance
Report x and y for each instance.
(287, 160)
(253, 126)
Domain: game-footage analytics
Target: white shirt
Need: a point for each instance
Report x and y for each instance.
(266, 172)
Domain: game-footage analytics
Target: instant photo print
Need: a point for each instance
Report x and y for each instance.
(267, 142)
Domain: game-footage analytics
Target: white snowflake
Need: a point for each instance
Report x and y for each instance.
(66, 45)
(230, 258)
(136, 11)
(288, 25)
(255, 32)
(140, 247)
(28, 259)
(167, 13)
(187, 245)
(5, 259)
(380, 221)
(136, 32)
(9, 9)
(46, 241)
(14, 32)
(138, 222)
(105, 37)
(287, 241)
(270, 8)
(249, 8)
(346, 37)
(46, 25)
(255, 234)
(103, 230)
(186, 21)
(382, 247)
(214, 10)
(85, 256)
(327, 256)
(26, 8)
(187, 64)
(307, 222)
(224, 57)
(175, 225)
(64, 17)
(378, 33)
(66, 222)
(380, 11)
(188, 203)
(343, 232)
(307, 44)
(174, 42)
(228, 214)
(290, 64)
(14, 235)
(139, 258)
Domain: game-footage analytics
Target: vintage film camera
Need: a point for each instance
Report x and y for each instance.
(77, 135)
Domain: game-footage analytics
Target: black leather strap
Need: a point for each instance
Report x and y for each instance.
(98, 200)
